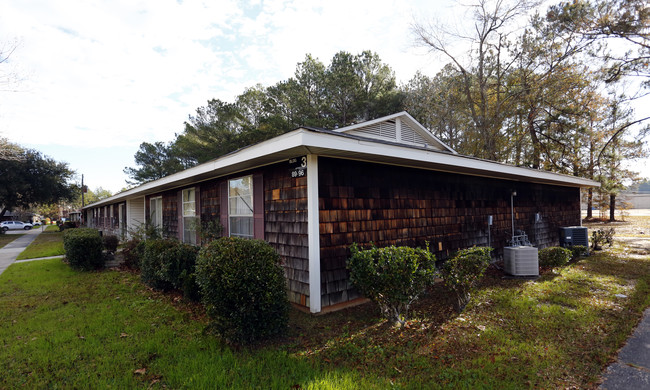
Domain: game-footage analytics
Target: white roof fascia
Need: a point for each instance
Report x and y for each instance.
(265, 148)
(352, 147)
(421, 158)
(423, 131)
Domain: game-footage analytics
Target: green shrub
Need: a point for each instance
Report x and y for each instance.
(209, 231)
(462, 272)
(243, 289)
(393, 277)
(554, 256)
(600, 237)
(152, 263)
(110, 242)
(169, 264)
(132, 253)
(578, 251)
(66, 225)
(83, 248)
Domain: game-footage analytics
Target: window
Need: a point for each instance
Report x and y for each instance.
(240, 206)
(155, 212)
(189, 216)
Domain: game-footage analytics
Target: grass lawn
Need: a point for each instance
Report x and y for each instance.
(48, 243)
(7, 238)
(63, 328)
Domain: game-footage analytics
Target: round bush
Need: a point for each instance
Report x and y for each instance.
(153, 263)
(393, 277)
(243, 289)
(83, 248)
(578, 251)
(110, 242)
(554, 256)
(462, 272)
(132, 253)
(177, 268)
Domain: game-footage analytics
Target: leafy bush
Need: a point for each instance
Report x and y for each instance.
(462, 272)
(601, 236)
(243, 289)
(554, 256)
(110, 242)
(132, 252)
(578, 251)
(209, 231)
(393, 277)
(133, 249)
(65, 225)
(83, 248)
(169, 264)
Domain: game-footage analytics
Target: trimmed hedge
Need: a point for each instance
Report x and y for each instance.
(462, 272)
(132, 252)
(578, 251)
(393, 277)
(110, 242)
(243, 289)
(554, 256)
(83, 248)
(169, 264)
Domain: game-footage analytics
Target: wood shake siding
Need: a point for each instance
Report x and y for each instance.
(285, 227)
(389, 205)
(210, 204)
(170, 213)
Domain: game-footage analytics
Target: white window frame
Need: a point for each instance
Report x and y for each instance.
(250, 205)
(155, 212)
(189, 213)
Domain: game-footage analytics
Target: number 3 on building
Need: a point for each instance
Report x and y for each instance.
(303, 161)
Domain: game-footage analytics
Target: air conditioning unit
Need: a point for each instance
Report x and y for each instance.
(521, 260)
(574, 235)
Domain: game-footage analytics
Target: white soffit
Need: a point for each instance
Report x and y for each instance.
(334, 144)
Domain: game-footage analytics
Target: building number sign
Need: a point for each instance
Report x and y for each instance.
(298, 166)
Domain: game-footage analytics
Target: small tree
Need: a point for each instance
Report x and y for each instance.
(393, 277)
(462, 272)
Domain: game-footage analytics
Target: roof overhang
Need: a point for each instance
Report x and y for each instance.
(327, 143)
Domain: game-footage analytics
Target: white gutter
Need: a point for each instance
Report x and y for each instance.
(304, 141)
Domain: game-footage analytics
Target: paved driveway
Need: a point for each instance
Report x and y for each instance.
(10, 251)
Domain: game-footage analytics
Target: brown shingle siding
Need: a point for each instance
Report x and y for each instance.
(390, 205)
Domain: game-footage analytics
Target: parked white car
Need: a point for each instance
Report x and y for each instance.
(15, 225)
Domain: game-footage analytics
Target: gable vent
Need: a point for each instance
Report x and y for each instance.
(382, 129)
(410, 135)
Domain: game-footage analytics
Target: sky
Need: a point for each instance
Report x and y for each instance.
(97, 78)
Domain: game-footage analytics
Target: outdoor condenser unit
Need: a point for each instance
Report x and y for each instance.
(521, 260)
(574, 235)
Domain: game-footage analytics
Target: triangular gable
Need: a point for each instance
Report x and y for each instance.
(401, 128)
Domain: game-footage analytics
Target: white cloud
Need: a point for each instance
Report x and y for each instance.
(112, 74)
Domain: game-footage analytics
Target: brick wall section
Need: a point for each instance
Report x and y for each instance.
(285, 227)
(389, 205)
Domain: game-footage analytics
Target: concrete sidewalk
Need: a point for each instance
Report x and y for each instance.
(9, 252)
(632, 368)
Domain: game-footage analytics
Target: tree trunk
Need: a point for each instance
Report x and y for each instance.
(590, 203)
(536, 157)
(612, 207)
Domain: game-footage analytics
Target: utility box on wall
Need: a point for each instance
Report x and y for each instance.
(574, 235)
(521, 260)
